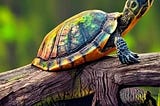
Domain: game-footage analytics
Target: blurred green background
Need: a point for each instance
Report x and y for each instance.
(24, 23)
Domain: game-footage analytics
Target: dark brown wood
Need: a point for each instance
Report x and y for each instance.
(28, 85)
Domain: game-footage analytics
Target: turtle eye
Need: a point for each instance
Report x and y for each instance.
(133, 5)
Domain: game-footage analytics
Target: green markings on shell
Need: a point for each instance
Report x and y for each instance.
(79, 32)
(43, 63)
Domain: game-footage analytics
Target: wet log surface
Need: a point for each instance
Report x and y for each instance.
(28, 85)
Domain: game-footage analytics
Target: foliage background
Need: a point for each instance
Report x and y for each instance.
(24, 23)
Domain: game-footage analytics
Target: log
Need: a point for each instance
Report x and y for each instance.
(103, 79)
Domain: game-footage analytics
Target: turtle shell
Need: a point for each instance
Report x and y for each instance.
(75, 41)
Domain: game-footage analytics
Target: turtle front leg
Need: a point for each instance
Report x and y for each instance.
(124, 54)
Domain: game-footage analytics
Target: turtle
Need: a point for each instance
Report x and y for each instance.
(89, 36)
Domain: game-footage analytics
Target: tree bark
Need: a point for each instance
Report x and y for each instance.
(27, 85)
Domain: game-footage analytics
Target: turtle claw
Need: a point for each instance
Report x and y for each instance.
(127, 57)
(135, 55)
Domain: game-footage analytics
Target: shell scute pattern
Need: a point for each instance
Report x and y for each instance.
(75, 41)
(79, 33)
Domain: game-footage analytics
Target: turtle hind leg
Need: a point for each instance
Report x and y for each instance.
(124, 54)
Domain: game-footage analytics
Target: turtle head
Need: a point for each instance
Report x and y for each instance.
(137, 7)
(133, 11)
